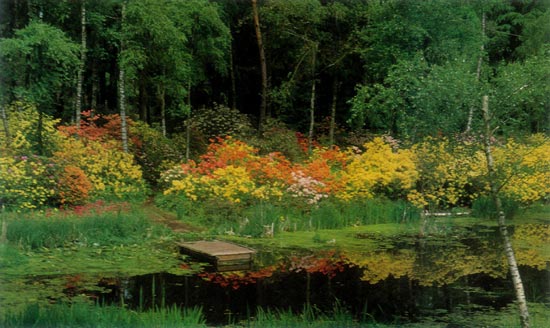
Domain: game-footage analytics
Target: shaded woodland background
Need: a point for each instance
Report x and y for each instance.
(334, 69)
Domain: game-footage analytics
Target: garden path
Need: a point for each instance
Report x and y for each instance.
(168, 219)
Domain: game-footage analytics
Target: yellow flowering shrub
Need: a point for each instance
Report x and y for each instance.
(23, 127)
(230, 170)
(524, 168)
(378, 170)
(449, 173)
(26, 182)
(110, 171)
(231, 183)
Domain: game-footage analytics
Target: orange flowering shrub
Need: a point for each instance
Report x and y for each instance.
(230, 169)
(73, 186)
(101, 128)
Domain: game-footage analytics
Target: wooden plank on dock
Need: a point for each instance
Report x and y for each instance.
(222, 255)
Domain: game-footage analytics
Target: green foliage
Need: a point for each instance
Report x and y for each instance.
(101, 229)
(221, 121)
(39, 61)
(30, 131)
(484, 207)
(154, 152)
(84, 314)
(310, 316)
(277, 137)
(522, 95)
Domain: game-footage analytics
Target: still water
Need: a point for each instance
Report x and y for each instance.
(406, 279)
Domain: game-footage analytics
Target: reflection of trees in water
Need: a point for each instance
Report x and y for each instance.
(532, 245)
(437, 261)
(433, 262)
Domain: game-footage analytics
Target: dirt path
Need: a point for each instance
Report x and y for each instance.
(168, 219)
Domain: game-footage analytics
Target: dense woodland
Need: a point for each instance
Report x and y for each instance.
(333, 69)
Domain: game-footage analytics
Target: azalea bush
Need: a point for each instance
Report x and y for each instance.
(524, 169)
(379, 170)
(454, 173)
(112, 173)
(451, 173)
(77, 165)
(26, 137)
(433, 174)
(27, 182)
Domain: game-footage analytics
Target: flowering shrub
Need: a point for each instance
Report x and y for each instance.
(23, 121)
(110, 171)
(450, 173)
(436, 173)
(524, 169)
(73, 186)
(27, 182)
(306, 188)
(378, 170)
(101, 128)
(454, 174)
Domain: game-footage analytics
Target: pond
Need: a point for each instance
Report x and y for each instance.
(441, 278)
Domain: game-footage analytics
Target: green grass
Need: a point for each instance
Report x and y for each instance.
(36, 231)
(82, 314)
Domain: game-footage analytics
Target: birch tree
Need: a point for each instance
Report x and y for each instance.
(82, 63)
(494, 191)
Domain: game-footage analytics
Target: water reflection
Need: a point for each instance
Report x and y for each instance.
(463, 271)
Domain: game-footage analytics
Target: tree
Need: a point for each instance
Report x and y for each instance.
(263, 65)
(38, 62)
(82, 64)
(494, 192)
(122, 91)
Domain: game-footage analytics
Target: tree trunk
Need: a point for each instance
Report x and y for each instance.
(122, 95)
(5, 124)
(494, 189)
(263, 65)
(188, 124)
(81, 65)
(312, 100)
(233, 80)
(478, 70)
(162, 100)
(143, 99)
(333, 112)
(95, 88)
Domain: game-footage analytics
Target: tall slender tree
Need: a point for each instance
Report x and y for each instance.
(82, 64)
(122, 89)
(494, 190)
(263, 63)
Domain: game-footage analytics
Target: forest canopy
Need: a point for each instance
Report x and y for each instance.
(333, 68)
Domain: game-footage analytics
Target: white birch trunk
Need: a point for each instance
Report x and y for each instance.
(5, 124)
(509, 251)
(478, 70)
(78, 105)
(312, 100)
(122, 95)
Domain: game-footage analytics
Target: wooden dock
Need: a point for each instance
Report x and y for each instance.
(222, 255)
